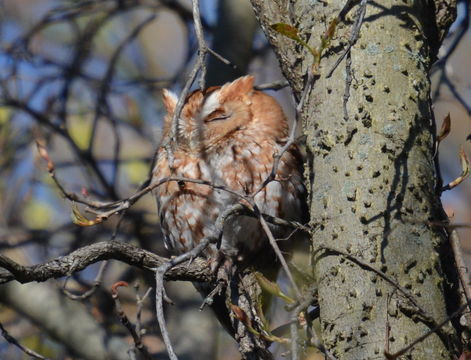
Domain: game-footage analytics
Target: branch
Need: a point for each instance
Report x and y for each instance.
(87, 294)
(421, 311)
(275, 85)
(162, 270)
(133, 330)
(421, 338)
(15, 342)
(280, 256)
(462, 269)
(196, 270)
(354, 35)
(202, 48)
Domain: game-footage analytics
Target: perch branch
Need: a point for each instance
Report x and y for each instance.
(196, 270)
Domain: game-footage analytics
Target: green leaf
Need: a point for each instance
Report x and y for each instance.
(79, 219)
(286, 30)
(292, 33)
(272, 288)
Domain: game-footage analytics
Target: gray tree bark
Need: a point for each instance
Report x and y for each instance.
(372, 174)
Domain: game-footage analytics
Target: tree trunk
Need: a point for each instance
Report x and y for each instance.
(373, 183)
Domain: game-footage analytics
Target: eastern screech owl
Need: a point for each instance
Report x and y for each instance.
(227, 135)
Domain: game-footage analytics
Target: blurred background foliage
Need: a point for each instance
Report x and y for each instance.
(84, 78)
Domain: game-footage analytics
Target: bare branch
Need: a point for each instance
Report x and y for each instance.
(354, 34)
(280, 256)
(23, 348)
(202, 48)
(426, 335)
(462, 270)
(162, 270)
(92, 290)
(136, 336)
(79, 259)
(421, 311)
(275, 85)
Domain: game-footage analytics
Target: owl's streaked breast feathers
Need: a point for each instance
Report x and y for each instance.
(227, 135)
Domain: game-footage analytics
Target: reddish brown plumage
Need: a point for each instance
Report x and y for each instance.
(228, 136)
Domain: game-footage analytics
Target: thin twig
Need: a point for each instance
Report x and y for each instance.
(294, 338)
(43, 119)
(462, 270)
(276, 161)
(221, 58)
(92, 290)
(278, 253)
(140, 301)
(353, 36)
(189, 255)
(388, 279)
(277, 157)
(136, 336)
(102, 106)
(202, 48)
(160, 291)
(427, 334)
(275, 85)
(115, 207)
(23, 348)
(172, 143)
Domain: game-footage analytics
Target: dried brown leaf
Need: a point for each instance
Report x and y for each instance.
(464, 171)
(445, 129)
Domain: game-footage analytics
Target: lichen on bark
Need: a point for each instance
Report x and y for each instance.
(372, 174)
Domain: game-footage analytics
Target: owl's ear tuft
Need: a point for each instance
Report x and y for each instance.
(239, 87)
(170, 100)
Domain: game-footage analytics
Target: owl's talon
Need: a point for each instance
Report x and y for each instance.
(226, 264)
(229, 267)
(215, 262)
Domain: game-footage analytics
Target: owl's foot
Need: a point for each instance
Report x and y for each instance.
(223, 267)
(229, 267)
(224, 261)
(218, 266)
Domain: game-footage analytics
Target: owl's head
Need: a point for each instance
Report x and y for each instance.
(211, 117)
